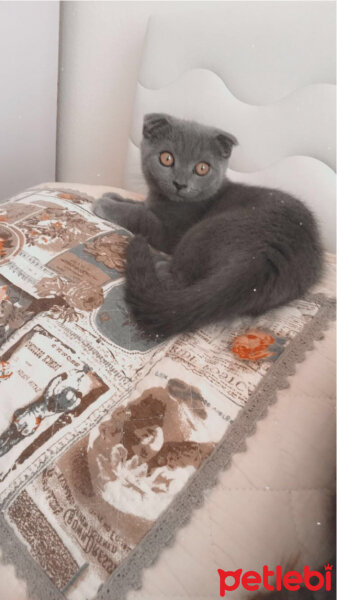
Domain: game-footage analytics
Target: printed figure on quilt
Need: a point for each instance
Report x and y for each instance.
(62, 395)
(133, 463)
(56, 387)
(56, 229)
(61, 299)
(11, 314)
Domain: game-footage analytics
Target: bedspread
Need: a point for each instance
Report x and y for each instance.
(107, 439)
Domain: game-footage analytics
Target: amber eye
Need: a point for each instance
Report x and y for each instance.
(202, 168)
(166, 159)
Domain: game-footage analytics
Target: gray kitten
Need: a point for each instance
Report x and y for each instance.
(234, 249)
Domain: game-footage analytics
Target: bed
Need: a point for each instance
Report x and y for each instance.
(274, 502)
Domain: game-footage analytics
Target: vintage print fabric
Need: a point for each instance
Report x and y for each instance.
(100, 429)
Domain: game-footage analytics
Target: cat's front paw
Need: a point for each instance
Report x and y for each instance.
(113, 196)
(111, 210)
(100, 207)
(117, 198)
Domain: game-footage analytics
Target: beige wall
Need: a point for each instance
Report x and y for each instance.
(100, 52)
(101, 44)
(28, 94)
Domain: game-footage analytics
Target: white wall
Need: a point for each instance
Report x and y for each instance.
(265, 72)
(101, 44)
(28, 94)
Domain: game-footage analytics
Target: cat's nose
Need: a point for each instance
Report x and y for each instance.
(179, 186)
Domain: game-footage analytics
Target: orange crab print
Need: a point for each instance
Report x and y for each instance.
(4, 370)
(76, 198)
(256, 344)
(3, 293)
(65, 196)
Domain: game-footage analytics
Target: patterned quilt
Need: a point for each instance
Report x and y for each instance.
(107, 439)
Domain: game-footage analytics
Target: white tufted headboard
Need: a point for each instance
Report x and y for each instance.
(265, 72)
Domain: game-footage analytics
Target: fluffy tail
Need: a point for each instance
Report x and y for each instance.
(162, 311)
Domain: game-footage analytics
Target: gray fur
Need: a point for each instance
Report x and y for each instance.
(233, 249)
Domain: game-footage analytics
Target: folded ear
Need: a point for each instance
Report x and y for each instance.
(226, 141)
(156, 125)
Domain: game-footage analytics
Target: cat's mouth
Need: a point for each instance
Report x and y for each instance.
(182, 195)
(179, 194)
(180, 198)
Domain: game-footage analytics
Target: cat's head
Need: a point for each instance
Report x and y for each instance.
(183, 159)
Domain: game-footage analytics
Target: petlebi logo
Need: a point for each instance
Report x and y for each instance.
(290, 580)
